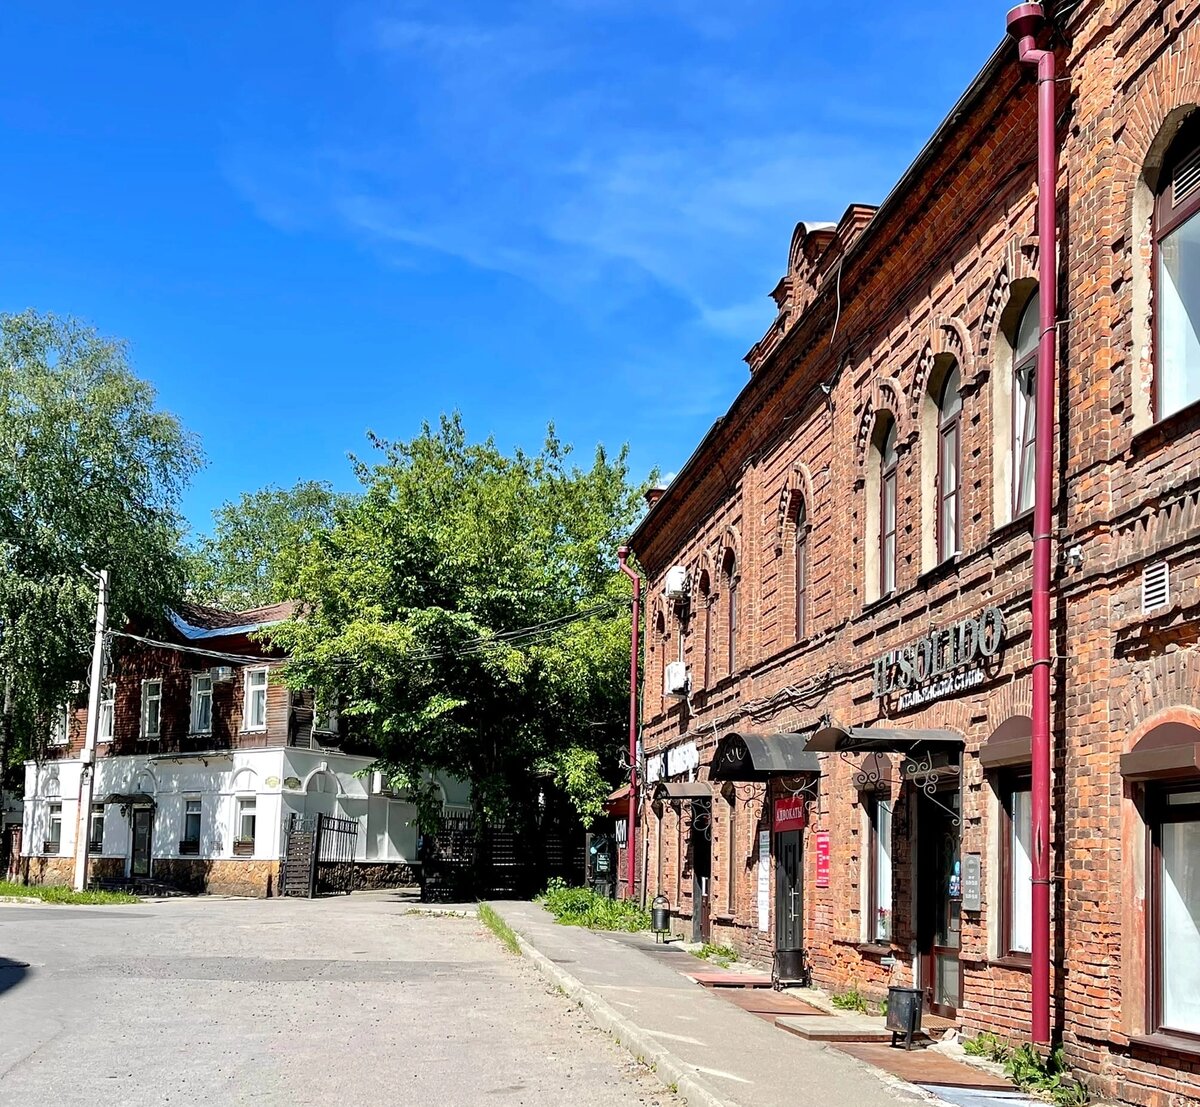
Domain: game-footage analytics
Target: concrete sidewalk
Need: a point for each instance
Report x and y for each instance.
(710, 1050)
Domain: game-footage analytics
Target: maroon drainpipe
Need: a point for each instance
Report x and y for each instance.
(630, 838)
(1024, 21)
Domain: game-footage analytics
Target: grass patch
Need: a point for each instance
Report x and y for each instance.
(500, 928)
(1047, 1077)
(718, 955)
(60, 893)
(853, 1000)
(584, 907)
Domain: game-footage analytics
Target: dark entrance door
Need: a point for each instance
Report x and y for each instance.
(939, 908)
(789, 904)
(143, 823)
(701, 842)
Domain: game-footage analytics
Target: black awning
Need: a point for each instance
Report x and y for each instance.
(667, 790)
(1170, 750)
(858, 739)
(761, 756)
(128, 798)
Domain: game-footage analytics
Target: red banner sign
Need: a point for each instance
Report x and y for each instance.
(822, 843)
(789, 814)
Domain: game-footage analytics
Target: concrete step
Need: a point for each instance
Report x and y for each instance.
(835, 1028)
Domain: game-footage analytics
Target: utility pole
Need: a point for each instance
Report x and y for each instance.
(88, 758)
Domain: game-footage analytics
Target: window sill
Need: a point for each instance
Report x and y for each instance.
(1161, 431)
(1167, 1043)
(874, 949)
(940, 571)
(1022, 524)
(1013, 961)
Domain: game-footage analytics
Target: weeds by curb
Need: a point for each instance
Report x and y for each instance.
(500, 928)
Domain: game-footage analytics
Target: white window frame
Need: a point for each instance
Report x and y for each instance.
(248, 693)
(187, 802)
(54, 808)
(197, 695)
(108, 707)
(98, 812)
(60, 726)
(239, 813)
(146, 698)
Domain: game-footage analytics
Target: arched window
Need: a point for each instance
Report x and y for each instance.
(704, 588)
(729, 571)
(801, 567)
(949, 484)
(660, 643)
(1177, 275)
(889, 462)
(1024, 410)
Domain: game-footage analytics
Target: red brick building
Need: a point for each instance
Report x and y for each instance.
(836, 721)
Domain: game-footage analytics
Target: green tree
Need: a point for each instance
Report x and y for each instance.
(419, 603)
(90, 475)
(252, 555)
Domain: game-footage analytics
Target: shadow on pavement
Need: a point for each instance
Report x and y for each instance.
(12, 973)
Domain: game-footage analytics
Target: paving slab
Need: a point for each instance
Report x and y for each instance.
(926, 1067)
(835, 1028)
(712, 1051)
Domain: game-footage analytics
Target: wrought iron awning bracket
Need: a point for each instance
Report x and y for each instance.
(923, 775)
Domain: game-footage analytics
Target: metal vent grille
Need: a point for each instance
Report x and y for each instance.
(1186, 179)
(1156, 586)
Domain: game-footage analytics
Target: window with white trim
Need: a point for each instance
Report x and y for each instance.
(879, 860)
(53, 842)
(60, 726)
(325, 718)
(1024, 406)
(192, 814)
(96, 829)
(247, 818)
(108, 705)
(202, 695)
(254, 714)
(151, 708)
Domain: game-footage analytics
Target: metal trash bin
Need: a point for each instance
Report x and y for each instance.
(904, 1006)
(660, 915)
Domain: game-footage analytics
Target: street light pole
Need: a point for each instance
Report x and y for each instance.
(88, 757)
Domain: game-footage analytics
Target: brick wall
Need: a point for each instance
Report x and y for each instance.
(937, 281)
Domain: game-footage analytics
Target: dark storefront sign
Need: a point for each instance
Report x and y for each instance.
(821, 843)
(789, 814)
(945, 661)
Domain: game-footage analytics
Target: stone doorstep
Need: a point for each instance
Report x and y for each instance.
(835, 1028)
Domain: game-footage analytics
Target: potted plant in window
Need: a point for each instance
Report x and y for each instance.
(243, 847)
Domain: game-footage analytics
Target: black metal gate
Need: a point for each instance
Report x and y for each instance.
(318, 856)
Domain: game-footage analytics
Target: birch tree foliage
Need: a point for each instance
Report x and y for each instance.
(467, 614)
(91, 472)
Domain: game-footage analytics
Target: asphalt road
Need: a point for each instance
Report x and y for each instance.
(347, 1001)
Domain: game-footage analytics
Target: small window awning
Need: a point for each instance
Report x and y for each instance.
(857, 739)
(667, 790)
(758, 757)
(1169, 751)
(617, 804)
(1010, 746)
(127, 799)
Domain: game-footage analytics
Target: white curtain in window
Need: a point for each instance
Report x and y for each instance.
(1020, 874)
(1179, 318)
(1181, 926)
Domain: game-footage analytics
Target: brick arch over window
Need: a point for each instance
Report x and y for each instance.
(1170, 97)
(951, 340)
(799, 486)
(1161, 684)
(1018, 265)
(886, 398)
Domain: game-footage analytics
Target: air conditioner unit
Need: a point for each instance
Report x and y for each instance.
(675, 679)
(221, 673)
(677, 585)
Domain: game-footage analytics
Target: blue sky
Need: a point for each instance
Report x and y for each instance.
(311, 219)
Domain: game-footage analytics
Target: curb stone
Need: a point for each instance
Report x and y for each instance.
(666, 1066)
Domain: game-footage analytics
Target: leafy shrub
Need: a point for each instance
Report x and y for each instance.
(853, 1000)
(988, 1046)
(720, 955)
(1048, 1077)
(584, 907)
